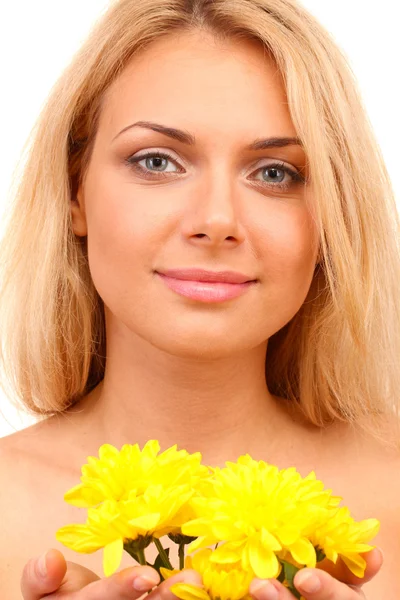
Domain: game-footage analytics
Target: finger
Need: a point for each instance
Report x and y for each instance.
(268, 589)
(130, 583)
(163, 591)
(315, 584)
(76, 578)
(43, 575)
(373, 558)
(328, 588)
(272, 589)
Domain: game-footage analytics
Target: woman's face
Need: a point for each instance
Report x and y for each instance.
(214, 204)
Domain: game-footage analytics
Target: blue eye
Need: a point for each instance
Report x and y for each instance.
(280, 176)
(277, 173)
(159, 160)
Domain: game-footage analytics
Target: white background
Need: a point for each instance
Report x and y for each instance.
(37, 40)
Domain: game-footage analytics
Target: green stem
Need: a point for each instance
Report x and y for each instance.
(181, 553)
(163, 554)
(141, 557)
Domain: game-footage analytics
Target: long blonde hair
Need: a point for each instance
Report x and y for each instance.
(337, 357)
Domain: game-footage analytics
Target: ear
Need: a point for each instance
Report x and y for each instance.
(78, 215)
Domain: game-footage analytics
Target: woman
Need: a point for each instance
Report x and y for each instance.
(203, 251)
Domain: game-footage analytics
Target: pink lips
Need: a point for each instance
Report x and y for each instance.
(206, 286)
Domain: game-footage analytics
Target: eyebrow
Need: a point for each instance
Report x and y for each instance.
(187, 138)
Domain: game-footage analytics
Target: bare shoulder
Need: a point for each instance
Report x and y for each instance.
(30, 501)
(29, 460)
(37, 466)
(17, 475)
(17, 456)
(365, 472)
(23, 453)
(369, 483)
(381, 488)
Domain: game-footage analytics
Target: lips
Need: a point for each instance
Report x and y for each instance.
(207, 276)
(206, 286)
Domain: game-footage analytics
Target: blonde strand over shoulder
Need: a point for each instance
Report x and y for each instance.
(337, 357)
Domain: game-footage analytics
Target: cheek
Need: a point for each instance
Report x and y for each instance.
(121, 235)
(289, 249)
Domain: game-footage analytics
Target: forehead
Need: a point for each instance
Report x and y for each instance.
(201, 81)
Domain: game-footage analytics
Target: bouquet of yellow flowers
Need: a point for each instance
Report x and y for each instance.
(248, 519)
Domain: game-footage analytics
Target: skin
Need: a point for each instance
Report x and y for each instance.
(212, 215)
(71, 581)
(176, 367)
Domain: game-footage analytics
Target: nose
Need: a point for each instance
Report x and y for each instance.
(213, 215)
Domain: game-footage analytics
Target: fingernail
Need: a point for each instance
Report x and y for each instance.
(143, 583)
(308, 582)
(264, 590)
(41, 565)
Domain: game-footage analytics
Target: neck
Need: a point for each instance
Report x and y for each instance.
(220, 407)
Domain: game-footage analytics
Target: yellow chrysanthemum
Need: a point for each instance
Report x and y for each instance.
(259, 515)
(220, 582)
(258, 510)
(342, 536)
(111, 525)
(116, 473)
(195, 592)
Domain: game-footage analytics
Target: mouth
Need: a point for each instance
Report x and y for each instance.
(195, 274)
(204, 290)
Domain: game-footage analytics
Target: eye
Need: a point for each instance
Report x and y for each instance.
(279, 175)
(276, 175)
(155, 163)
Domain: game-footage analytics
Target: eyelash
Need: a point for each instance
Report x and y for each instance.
(133, 161)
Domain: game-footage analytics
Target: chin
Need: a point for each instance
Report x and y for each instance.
(204, 345)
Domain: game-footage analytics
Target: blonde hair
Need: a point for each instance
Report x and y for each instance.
(337, 357)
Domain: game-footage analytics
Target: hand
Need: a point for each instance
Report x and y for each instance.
(336, 582)
(70, 581)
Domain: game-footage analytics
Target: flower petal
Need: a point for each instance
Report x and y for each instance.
(167, 573)
(262, 560)
(112, 556)
(224, 554)
(355, 563)
(303, 552)
(83, 496)
(78, 538)
(187, 591)
(145, 523)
